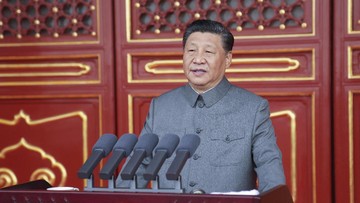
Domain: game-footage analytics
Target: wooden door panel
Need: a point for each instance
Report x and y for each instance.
(279, 53)
(57, 84)
(165, 66)
(353, 56)
(293, 120)
(346, 101)
(49, 141)
(354, 145)
(78, 68)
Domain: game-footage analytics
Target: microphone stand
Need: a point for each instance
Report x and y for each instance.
(155, 186)
(89, 183)
(111, 183)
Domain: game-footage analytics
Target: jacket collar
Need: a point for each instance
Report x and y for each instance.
(210, 97)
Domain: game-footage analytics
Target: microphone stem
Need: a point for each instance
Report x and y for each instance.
(86, 170)
(108, 170)
(129, 171)
(155, 165)
(177, 165)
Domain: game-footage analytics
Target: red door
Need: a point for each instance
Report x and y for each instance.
(281, 52)
(71, 71)
(346, 119)
(56, 87)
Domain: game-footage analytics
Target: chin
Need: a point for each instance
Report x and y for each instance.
(197, 83)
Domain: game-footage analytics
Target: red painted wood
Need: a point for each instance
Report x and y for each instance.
(346, 101)
(59, 111)
(305, 91)
(278, 195)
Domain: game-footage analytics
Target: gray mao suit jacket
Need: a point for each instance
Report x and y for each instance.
(238, 149)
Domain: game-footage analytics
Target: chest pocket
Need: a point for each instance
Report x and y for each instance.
(227, 149)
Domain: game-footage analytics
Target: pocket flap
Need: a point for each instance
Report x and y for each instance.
(227, 137)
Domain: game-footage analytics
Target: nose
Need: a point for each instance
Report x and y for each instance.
(199, 58)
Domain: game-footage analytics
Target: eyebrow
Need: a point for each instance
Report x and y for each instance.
(206, 44)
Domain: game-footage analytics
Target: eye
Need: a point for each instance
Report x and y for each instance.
(209, 52)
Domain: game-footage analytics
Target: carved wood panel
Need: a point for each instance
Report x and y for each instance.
(43, 22)
(346, 101)
(50, 141)
(56, 87)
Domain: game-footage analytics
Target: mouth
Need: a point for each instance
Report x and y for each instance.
(198, 70)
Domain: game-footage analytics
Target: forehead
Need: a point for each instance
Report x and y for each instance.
(204, 39)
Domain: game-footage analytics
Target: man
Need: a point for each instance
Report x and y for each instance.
(238, 145)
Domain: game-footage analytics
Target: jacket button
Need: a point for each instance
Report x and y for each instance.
(196, 156)
(192, 184)
(198, 130)
(201, 104)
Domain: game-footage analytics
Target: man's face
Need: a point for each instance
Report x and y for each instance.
(205, 60)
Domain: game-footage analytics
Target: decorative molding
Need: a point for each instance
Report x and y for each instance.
(7, 177)
(30, 122)
(238, 23)
(290, 114)
(350, 18)
(291, 64)
(46, 174)
(45, 69)
(174, 67)
(350, 67)
(65, 28)
(32, 67)
(351, 144)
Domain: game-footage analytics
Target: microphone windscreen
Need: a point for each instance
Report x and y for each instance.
(147, 142)
(189, 142)
(126, 142)
(168, 143)
(105, 143)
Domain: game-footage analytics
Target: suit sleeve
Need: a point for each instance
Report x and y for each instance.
(266, 153)
(149, 119)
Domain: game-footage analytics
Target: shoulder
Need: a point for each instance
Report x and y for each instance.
(245, 95)
(174, 94)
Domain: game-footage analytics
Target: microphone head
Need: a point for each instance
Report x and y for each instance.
(189, 142)
(126, 142)
(168, 143)
(105, 144)
(147, 142)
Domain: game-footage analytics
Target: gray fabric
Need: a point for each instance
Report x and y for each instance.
(237, 146)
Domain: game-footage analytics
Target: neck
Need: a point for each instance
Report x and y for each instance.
(201, 91)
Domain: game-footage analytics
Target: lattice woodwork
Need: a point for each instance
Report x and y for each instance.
(39, 18)
(161, 17)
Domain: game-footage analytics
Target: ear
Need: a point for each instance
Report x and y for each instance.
(228, 59)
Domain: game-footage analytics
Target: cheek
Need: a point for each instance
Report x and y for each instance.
(186, 62)
(185, 65)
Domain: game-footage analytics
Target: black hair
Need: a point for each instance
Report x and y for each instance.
(211, 27)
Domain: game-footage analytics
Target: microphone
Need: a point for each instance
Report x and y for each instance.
(100, 150)
(122, 148)
(163, 150)
(142, 149)
(185, 150)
